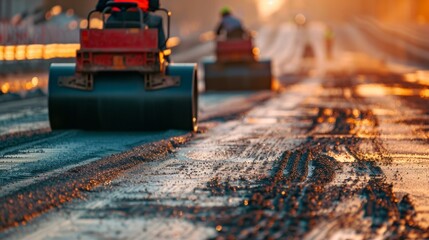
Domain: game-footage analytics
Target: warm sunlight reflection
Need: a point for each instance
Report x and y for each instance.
(38, 51)
(268, 7)
(380, 90)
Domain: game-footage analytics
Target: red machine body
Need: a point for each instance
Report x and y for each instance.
(237, 50)
(118, 50)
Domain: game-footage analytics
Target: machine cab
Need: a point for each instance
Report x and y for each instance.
(121, 45)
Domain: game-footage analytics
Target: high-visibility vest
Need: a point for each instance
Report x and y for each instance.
(143, 4)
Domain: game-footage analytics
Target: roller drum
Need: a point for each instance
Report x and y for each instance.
(120, 102)
(238, 76)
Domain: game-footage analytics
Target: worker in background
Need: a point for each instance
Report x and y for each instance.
(151, 20)
(230, 25)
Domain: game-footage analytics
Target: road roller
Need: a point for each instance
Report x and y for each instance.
(237, 68)
(121, 80)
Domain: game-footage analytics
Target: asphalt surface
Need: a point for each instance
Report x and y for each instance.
(339, 153)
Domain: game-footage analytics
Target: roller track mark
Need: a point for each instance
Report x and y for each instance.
(292, 165)
(278, 170)
(296, 169)
(324, 169)
(303, 166)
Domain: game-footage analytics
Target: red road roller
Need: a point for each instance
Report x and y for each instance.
(237, 68)
(121, 81)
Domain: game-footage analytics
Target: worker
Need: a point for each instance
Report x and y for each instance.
(151, 20)
(230, 25)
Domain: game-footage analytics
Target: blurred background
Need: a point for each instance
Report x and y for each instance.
(34, 33)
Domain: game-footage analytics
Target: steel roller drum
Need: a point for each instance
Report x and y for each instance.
(120, 102)
(237, 76)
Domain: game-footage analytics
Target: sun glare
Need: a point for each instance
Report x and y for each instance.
(268, 7)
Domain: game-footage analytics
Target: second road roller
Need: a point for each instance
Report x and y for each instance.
(121, 80)
(237, 68)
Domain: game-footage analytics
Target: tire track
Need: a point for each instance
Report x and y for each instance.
(286, 206)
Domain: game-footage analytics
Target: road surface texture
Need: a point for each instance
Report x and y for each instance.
(342, 153)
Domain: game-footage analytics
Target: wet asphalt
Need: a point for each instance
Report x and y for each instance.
(339, 155)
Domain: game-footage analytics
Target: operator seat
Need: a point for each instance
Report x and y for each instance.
(124, 18)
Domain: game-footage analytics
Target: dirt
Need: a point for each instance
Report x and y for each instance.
(291, 203)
